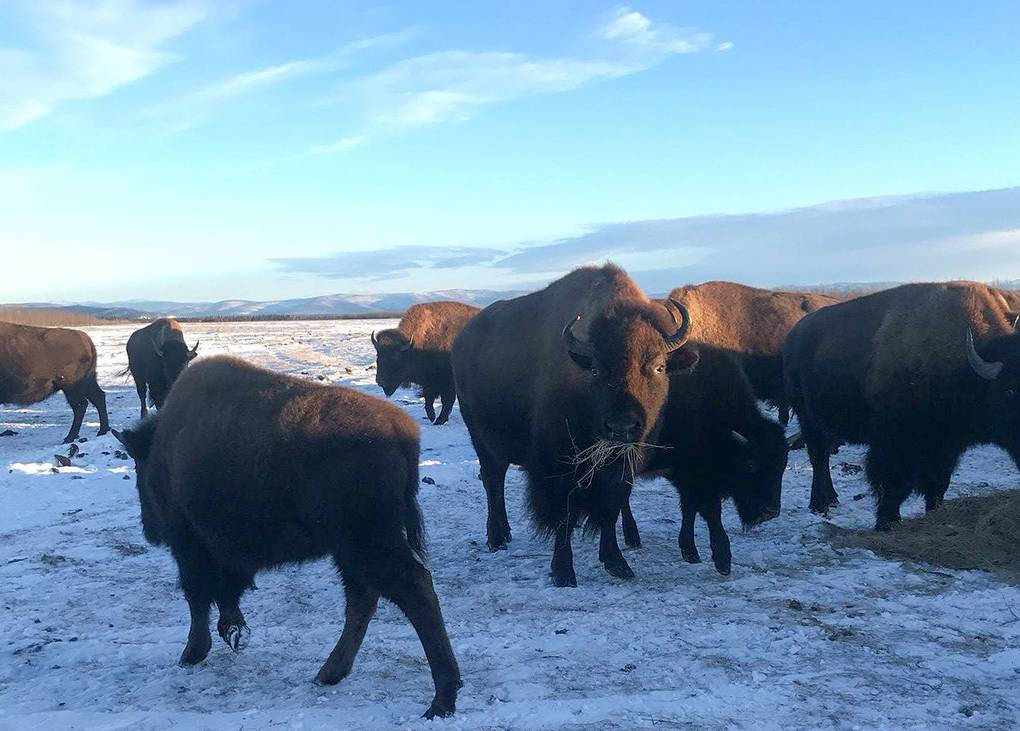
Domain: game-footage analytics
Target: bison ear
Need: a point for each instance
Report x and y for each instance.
(682, 360)
(581, 361)
(138, 441)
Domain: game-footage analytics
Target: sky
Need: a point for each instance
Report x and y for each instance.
(201, 150)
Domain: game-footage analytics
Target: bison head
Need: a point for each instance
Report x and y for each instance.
(630, 350)
(393, 354)
(138, 443)
(173, 356)
(755, 464)
(999, 365)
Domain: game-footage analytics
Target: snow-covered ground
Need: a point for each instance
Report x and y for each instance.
(800, 636)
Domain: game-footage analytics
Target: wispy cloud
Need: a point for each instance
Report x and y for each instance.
(342, 145)
(630, 27)
(387, 263)
(87, 50)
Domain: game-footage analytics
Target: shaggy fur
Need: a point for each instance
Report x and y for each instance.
(707, 462)
(417, 352)
(36, 362)
(156, 356)
(244, 470)
(890, 370)
(752, 324)
(529, 400)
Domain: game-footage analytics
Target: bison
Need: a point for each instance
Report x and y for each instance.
(417, 351)
(36, 362)
(569, 382)
(919, 373)
(716, 444)
(157, 354)
(244, 469)
(752, 324)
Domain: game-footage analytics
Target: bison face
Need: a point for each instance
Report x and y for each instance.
(173, 357)
(628, 357)
(755, 466)
(393, 353)
(999, 365)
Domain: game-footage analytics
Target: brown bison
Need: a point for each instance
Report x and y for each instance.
(244, 469)
(36, 362)
(569, 382)
(417, 351)
(717, 444)
(919, 372)
(156, 356)
(752, 324)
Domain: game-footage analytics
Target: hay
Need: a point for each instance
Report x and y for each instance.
(602, 453)
(967, 533)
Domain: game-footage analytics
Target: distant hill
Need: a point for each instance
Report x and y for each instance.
(333, 304)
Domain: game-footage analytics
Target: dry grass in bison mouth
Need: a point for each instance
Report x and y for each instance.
(604, 452)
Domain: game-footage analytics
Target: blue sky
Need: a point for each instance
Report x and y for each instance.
(200, 150)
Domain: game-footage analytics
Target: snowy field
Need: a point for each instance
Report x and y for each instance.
(800, 636)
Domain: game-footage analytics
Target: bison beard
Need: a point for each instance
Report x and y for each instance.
(244, 469)
(572, 402)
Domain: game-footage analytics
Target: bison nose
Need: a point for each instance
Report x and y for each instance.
(622, 428)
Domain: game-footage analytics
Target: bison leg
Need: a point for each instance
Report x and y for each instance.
(197, 580)
(631, 536)
(890, 481)
(711, 509)
(494, 479)
(823, 494)
(562, 566)
(231, 625)
(141, 388)
(97, 397)
(415, 595)
(447, 398)
(361, 606)
(430, 403)
(689, 513)
(610, 554)
(78, 405)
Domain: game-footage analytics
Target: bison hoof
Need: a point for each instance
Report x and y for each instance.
(104, 430)
(195, 652)
(330, 676)
(441, 420)
(68, 439)
(723, 566)
(564, 577)
(690, 555)
(439, 709)
(237, 636)
(498, 542)
(620, 569)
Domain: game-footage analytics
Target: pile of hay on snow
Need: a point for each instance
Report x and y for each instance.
(966, 533)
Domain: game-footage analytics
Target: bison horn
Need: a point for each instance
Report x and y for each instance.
(679, 338)
(156, 349)
(575, 345)
(740, 438)
(408, 345)
(375, 343)
(987, 370)
(194, 350)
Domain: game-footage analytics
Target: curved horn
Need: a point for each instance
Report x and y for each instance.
(683, 332)
(574, 345)
(408, 345)
(375, 343)
(740, 438)
(194, 349)
(987, 370)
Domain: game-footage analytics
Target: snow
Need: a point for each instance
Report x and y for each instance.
(800, 636)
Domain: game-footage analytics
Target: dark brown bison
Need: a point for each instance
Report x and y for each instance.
(919, 373)
(752, 324)
(417, 351)
(716, 444)
(569, 382)
(156, 356)
(244, 469)
(36, 362)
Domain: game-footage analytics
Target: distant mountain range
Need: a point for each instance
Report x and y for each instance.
(333, 304)
(349, 304)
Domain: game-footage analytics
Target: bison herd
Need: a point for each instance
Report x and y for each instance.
(587, 385)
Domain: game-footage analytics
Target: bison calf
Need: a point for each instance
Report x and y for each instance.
(417, 351)
(36, 362)
(244, 469)
(156, 356)
(717, 445)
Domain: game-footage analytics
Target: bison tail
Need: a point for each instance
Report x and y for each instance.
(414, 525)
(124, 373)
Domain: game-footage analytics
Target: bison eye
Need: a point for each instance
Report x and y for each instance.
(661, 368)
(595, 371)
